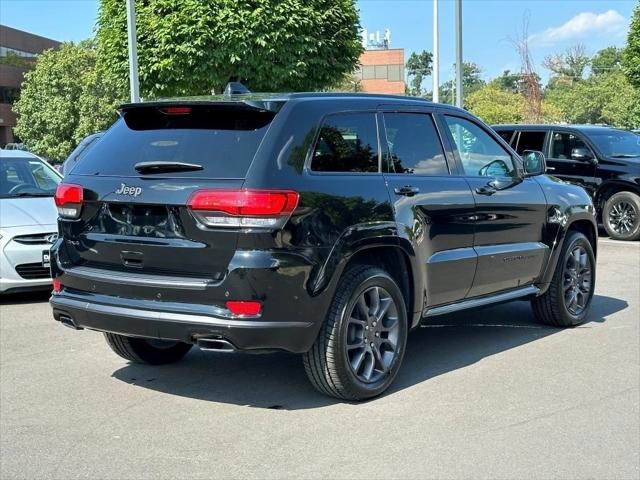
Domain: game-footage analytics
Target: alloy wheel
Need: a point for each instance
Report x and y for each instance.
(577, 280)
(623, 217)
(373, 331)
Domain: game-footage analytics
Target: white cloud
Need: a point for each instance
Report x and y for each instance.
(584, 25)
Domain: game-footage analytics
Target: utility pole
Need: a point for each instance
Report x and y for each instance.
(133, 51)
(459, 92)
(436, 55)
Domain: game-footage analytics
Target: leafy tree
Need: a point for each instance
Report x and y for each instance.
(606, 60)
(62, 100)
(631, 56)
(471, 81)
(567, 67)
(509, 82)
(606, 98)
(495, 105)
(418, 66)
(192, 47)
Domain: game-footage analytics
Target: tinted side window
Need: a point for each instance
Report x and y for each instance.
(479, 153)
(530, 141)
(563, 143)
(414, 144)
(506, 135)
(347, 143)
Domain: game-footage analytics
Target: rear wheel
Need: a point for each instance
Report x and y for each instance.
(361, 344)
(147, 350)
(621, 216)
(567, 301)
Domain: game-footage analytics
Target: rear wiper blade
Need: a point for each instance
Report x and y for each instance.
(158, 167)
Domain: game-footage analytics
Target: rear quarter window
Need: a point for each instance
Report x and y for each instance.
(223, 139)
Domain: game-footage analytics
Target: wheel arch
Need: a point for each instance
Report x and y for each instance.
(610, 188)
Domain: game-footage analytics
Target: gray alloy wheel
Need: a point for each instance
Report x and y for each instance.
(361, 343)
(621, 216)
(373, 331)
(566, 301)
(577, 280)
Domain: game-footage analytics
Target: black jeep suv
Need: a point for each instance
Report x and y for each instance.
(322, 224)
(603, 160)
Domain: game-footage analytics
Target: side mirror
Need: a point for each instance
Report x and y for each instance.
(582, 154)
(534, 163)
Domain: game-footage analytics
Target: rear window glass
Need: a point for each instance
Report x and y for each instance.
(530, 141)
(223, 139)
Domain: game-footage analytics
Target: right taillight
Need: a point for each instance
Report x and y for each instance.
(243, 208)
(68, 199)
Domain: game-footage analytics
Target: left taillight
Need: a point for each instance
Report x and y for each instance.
(68, 200)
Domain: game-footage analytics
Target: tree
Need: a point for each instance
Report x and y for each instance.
(495, 105)
(606, 60)
(418, 66)
(62, 100)
(509, 82)
(471, 81)
(606, 98)
(567, 67)
(631, 55)
(193, 47)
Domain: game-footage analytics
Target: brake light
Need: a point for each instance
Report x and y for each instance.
(57, 286)
(243, 208)
(68, 199)
(176, 110)
(242, 308)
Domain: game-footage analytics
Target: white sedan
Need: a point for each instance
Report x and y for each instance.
(28, 220)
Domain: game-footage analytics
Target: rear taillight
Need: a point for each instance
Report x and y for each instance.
(243, 208)
(68, 199)
(57, 286)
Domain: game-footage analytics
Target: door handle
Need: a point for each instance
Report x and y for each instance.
(486, 190)
(407, 190)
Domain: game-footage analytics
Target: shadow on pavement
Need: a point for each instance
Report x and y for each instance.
(24, 298)
(278, 381)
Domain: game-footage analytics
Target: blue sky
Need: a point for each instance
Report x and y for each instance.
(488, 25)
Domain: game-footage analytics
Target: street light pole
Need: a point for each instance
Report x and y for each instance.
(436, 55)
(133, 51)
(459, 92)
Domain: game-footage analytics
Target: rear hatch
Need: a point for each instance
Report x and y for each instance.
(137, 182)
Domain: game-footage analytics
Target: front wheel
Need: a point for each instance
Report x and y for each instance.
(568, 298)
(147, 350)
(362, 341)
(621, 216)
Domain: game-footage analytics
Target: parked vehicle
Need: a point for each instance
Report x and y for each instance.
(603, 160)
(322, 224)
(28, 221)
(74, 156)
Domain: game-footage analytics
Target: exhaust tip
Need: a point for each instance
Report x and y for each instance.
(66, 320)
(215, 345)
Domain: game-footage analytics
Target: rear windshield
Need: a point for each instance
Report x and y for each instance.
(222, 139)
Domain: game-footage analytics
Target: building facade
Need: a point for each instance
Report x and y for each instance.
(18, 51)
(382, 71)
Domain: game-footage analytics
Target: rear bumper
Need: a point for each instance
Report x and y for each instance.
(183, 322)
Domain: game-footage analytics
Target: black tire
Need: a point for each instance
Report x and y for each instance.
(147, 351)
(551, 308)
(328, 364)
(621, 216)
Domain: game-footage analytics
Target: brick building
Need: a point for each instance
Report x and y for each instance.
(382, 71)
(18, 52)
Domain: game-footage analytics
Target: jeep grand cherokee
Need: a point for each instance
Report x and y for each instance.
(328, 225)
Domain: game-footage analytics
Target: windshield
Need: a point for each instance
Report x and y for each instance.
(617, 143)
(27, 177)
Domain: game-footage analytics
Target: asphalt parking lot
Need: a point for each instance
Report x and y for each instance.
(484, 394)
